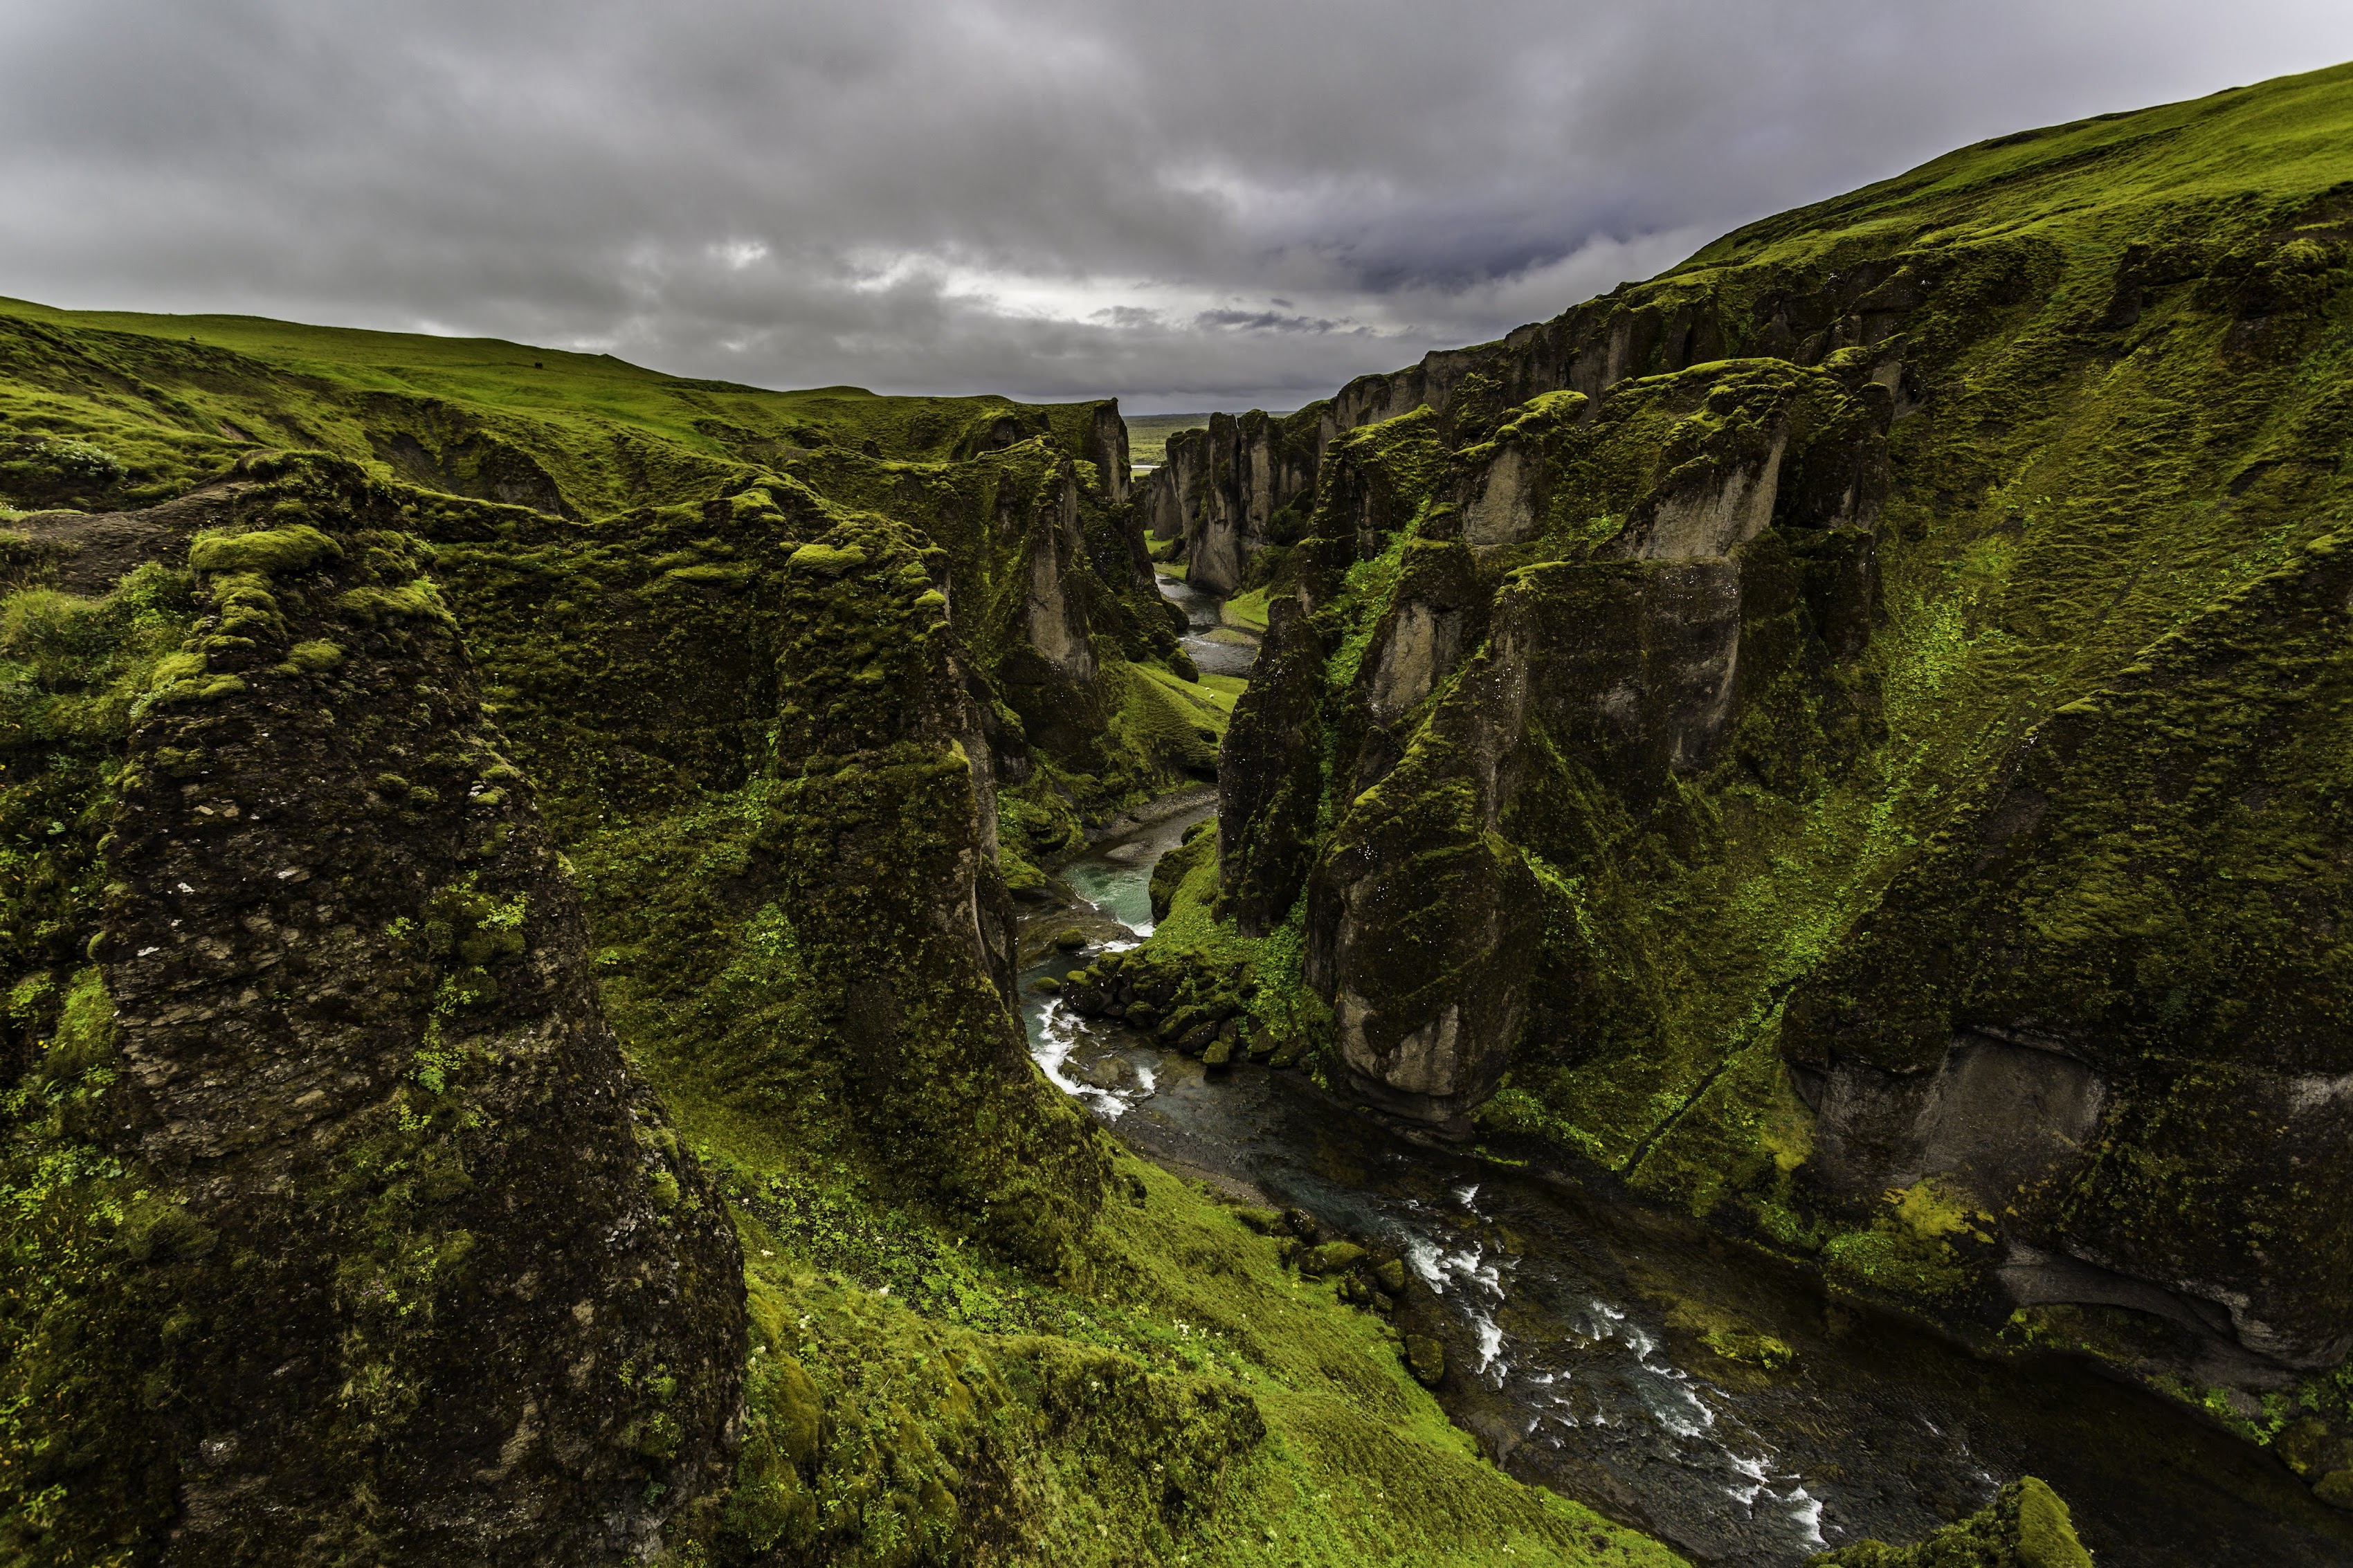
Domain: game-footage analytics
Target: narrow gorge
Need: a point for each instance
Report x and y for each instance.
(1714, 930)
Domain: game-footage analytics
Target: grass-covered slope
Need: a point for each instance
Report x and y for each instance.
(172, 397)
(1845, 736)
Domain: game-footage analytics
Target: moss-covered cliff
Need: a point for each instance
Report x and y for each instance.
(1847, 735)
(510, 1049)
(337, 1229)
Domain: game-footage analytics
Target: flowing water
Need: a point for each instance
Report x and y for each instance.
(1576, 1323)
(1217, 649)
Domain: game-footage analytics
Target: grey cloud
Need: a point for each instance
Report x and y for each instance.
(1045, 198)
(1269, 321)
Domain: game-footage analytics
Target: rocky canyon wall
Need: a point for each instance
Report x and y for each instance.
(1842, 735)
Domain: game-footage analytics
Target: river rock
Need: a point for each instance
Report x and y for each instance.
(1111, 1072)
(1426, 1359)
(1334, 1257)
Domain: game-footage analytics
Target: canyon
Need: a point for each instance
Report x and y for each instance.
(524, 881)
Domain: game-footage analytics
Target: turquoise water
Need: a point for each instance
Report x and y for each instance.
(1121, 890)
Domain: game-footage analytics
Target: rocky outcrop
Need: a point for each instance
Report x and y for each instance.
(1055, 622)
(441, 1280)
(884, 849)
(1108, 447)
(1598, 682)
(1269, 776)
(854, 652)
(1220, 490)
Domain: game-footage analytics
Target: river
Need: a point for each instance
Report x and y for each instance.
(1217, 649)
(1575, 1319)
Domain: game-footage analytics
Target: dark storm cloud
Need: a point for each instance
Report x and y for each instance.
(1048, 197)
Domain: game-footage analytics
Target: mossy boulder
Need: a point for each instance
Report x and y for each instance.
(1333, 1258)
(2026, 1526)
(1200, 847)
(1425, 1358)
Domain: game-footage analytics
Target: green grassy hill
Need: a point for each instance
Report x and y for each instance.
(1147, 435)
(176, 397)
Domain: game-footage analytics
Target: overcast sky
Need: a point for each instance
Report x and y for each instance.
(1211, 203)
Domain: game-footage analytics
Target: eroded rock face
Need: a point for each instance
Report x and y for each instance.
(1218, 489)
(1057, 624)
(461, 1296)
(1270, 775)
(2103, 1003)
(1049, 674)
(1713, 515)
(1421, 934)
(1423, 642)
(1632, 667)
(1617, 667)
(1505, 501)
(1110, 442)
(1169, 494)
(1995, 1118)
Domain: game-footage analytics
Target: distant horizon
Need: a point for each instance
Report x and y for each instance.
(1045, 202)
(1125, 412)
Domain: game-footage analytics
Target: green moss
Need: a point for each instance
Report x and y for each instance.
(316, 656)
(90, 1246)
(416, 601)
(1892, 1259)
(1751, 1348)
(2026, 1526)
(828, 561)
(264, 552)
